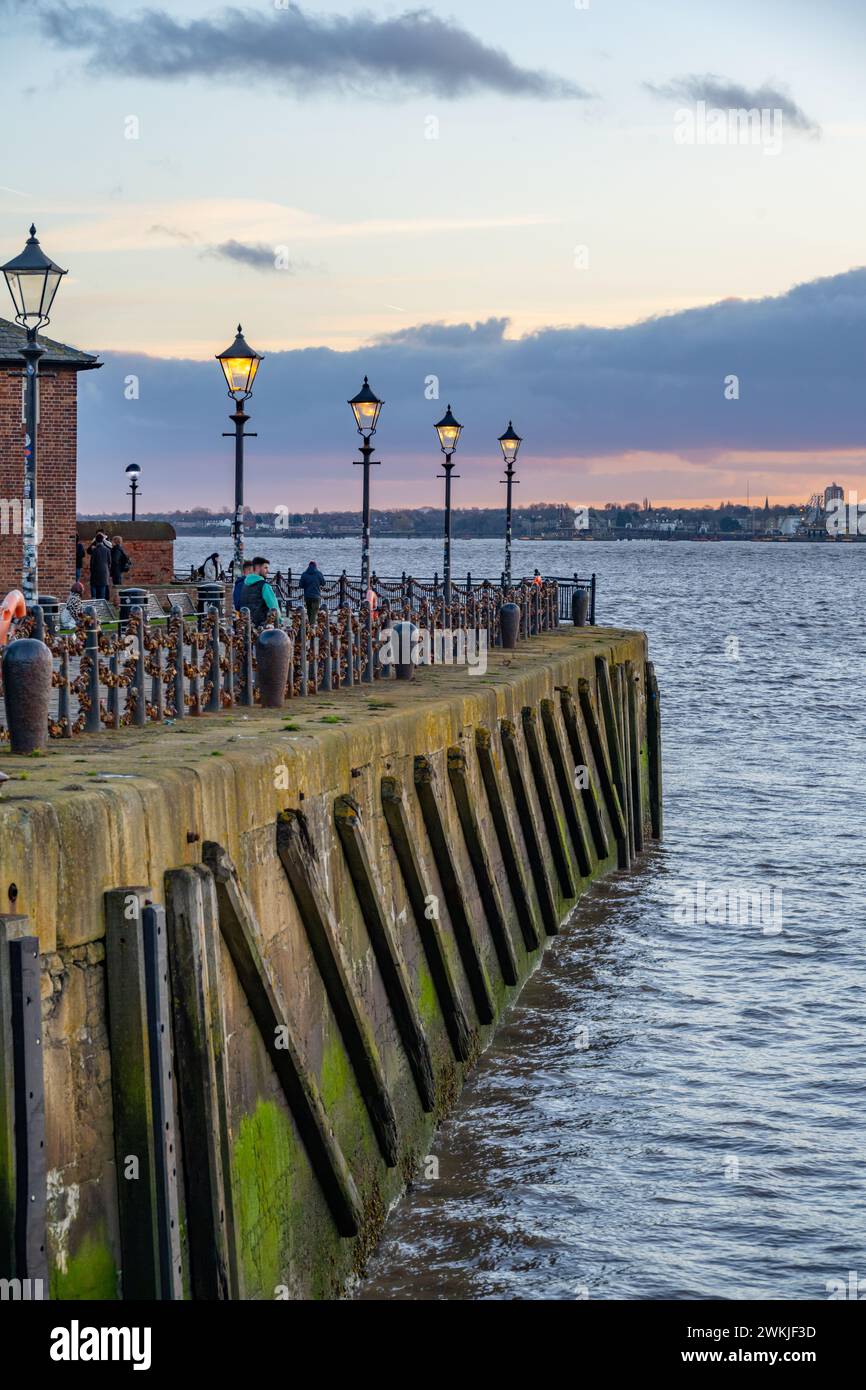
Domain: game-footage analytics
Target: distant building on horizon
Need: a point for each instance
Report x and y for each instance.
(833, 493)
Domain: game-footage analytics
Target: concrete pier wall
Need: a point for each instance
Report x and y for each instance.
(343, 927)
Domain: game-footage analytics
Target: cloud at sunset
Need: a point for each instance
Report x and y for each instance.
(652, 400)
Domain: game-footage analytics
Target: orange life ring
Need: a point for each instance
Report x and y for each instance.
(14, 606)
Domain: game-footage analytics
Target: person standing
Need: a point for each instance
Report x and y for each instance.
(79, 559)
(120, 561)
(311, 584)
(238, 601)
(257, 595)
(100, 565)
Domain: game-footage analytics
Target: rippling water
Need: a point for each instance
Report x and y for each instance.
(708, 1142)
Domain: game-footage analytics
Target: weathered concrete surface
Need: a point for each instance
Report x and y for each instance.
(116, 810)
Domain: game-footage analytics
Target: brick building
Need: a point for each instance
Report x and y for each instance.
(56, 458)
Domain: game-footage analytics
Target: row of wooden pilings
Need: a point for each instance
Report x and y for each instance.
(164, 985)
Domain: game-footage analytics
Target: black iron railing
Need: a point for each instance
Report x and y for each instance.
(143, 670)
(347, 589)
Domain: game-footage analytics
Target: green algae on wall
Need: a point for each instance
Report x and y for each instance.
(264, 1158)
(88, 1274)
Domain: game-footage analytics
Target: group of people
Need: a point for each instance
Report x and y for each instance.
(109, 563)
(252, 590)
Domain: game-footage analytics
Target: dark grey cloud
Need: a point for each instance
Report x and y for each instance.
(257, 255)
(726, 95)
(413, 52)
(655, 386)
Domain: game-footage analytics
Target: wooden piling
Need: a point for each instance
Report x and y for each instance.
(455, 895)
(622, 719)
(8, 1261)
(654, 743)
(487, 890)
(566, 789)
(202, 1086)
(241, 932)
(132, 1094)
(166, 1140)
(545, 799)
(632, 710)
(602, 766)
(579, 753)
(507, 848)
(394, 977)
(612, 737)
(460, 1035)
(22, 1106)
(298, 857)
(540, 876)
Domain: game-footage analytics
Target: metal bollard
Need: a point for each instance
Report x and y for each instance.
(579, 607)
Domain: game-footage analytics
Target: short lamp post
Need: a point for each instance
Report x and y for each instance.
(33, 280)
(366, 407)
(133, 473)
(448, 431)
(509, 443)
(239, 363)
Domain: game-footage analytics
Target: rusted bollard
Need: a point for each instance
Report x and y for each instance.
(272, 666)
(27, 668)
(509, 624)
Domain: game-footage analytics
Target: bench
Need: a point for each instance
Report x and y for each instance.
(105, 611)
(183, 601)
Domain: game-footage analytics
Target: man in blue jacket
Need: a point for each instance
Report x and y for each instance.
(311, 583)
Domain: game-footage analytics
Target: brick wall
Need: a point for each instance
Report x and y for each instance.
(56, 461)
(149, 545)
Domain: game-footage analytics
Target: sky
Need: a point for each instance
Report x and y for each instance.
(542, 213)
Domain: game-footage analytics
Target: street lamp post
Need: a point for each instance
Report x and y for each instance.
(510, 443)
(448, 431)
(33, 280)
(365, 408)
(133, 473)
(239, 363)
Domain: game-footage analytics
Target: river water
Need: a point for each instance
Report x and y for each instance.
(674, 1108)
